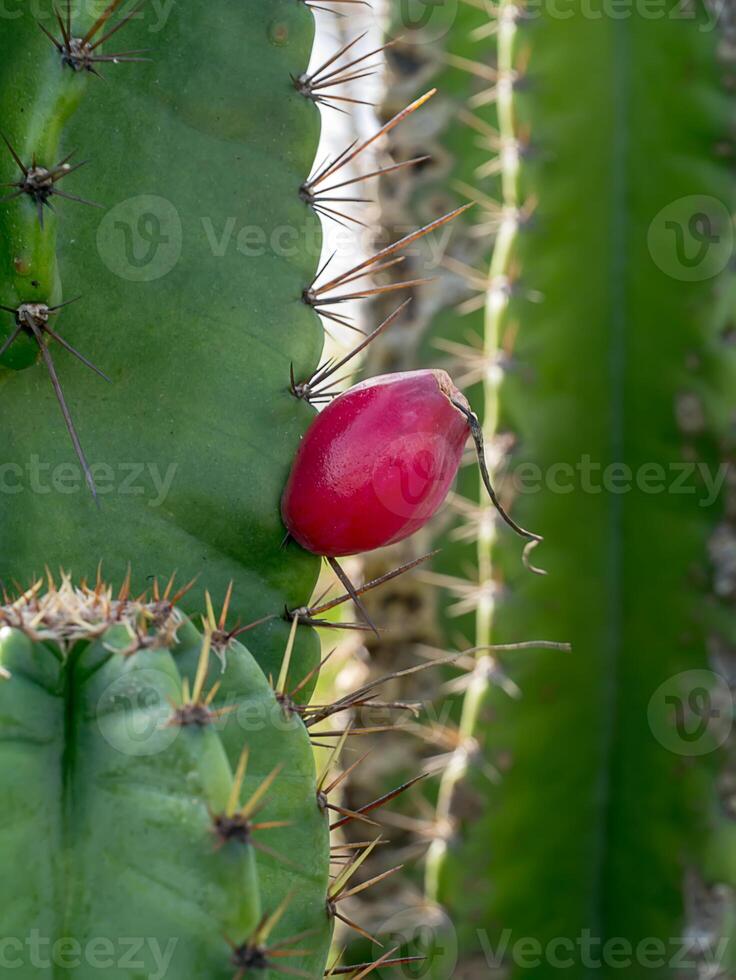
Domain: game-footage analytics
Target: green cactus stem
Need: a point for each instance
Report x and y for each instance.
(190, 300)
(149, 784)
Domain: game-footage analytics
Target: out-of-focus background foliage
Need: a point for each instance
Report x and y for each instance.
(578, 814)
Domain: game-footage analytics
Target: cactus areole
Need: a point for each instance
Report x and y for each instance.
(378, 462)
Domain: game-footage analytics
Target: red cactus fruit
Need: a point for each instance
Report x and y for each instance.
(378, 462)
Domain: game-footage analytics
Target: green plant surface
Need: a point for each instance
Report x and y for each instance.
(190, 278)
(118, 841)
(117, 796)
(598, 813)
(296, 864)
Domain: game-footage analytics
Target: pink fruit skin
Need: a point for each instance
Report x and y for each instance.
(376, 464)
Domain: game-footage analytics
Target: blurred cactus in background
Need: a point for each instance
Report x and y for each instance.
(611, 301)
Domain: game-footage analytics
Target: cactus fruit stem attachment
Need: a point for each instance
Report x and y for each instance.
(476, 431)
(39, 183)
(79, 53)
(33, 319)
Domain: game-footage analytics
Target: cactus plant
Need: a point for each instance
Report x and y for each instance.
(166, 290)
(190, 296)
(135, 754)
(599, 817)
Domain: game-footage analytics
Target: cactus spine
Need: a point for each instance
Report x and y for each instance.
(597, 822)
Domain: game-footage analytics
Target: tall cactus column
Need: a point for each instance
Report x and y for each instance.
(189, 281)
(619, 384)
